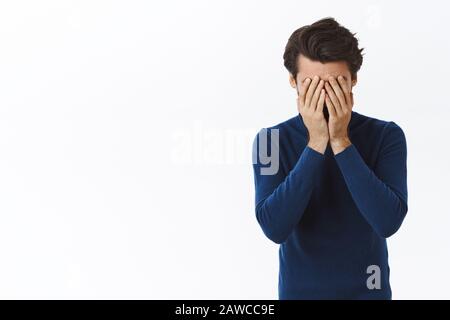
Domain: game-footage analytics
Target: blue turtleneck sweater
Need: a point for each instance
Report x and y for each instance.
(331, 214)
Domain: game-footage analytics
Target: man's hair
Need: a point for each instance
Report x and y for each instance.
(325, 41)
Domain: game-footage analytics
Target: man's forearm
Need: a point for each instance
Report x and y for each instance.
(279, 212)
(381, 206)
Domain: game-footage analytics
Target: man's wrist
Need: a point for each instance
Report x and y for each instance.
(339, 144)
(318, 144)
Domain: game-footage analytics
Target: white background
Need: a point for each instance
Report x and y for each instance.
(125, 140)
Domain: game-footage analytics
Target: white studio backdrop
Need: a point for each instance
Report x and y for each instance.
(125, 142)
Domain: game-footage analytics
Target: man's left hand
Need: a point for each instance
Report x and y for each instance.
(339, 102)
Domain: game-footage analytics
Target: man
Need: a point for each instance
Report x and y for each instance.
(339, 187)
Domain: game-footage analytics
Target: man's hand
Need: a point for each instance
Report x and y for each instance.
(339, 102)
(310, 103)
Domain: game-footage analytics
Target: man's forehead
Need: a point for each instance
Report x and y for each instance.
(309, 68)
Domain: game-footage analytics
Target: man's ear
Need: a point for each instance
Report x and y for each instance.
(292, 81)
(354, 81)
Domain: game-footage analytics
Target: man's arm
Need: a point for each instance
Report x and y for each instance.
(280, 199)
(380, 195)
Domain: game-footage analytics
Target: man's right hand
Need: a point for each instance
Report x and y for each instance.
(310, 104)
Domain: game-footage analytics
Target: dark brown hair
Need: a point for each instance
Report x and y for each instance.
(325, 41)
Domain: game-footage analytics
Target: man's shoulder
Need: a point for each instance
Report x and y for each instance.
(279, 133)
(375, 125)
(286, 125)
(375, 132)
(285, 128)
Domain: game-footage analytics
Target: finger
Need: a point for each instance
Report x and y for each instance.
(338, 92)
(302, 91)
(346, 90)
(344, 84)
(332, 96)
(316, 95)
(310, 92)
(330, 106)
(321, 101)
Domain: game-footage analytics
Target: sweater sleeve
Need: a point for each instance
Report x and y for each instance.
(381, 195)
(281, 198)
